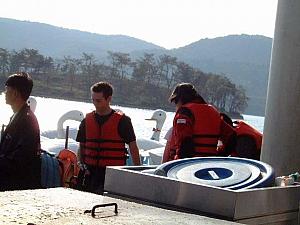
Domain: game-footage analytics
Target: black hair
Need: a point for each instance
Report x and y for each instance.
(185, 92)
(22, 82)
(103, 87)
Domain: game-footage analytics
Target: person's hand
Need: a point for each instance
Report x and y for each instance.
(82, 166)
(87, 172)
(220, 146)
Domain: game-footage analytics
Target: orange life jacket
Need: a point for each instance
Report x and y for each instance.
(68, 167)
(103, 146)
(206, 129)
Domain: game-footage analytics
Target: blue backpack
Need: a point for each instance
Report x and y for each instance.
(50, 174)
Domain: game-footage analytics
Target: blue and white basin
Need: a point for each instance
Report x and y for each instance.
(226, 172)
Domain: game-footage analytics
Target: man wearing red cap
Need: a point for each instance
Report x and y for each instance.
(197, 127)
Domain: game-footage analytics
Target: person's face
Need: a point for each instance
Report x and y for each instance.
(10, 95)
(99, 100)
(178, 105)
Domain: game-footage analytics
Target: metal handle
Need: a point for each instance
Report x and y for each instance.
(102, 205)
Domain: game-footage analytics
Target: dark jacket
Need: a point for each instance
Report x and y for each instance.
(20, 164)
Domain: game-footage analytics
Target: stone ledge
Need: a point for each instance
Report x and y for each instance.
(67, 206)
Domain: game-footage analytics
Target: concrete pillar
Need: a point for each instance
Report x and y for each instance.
(281, 142)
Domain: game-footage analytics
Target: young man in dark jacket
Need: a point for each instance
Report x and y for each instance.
(20, 165)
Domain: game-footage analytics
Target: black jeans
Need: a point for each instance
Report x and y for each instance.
(94, 182)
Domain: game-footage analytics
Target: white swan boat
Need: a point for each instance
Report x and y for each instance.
(60, 132)
(159, 116)
(56, 139)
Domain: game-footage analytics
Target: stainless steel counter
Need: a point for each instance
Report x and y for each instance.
(272, 205)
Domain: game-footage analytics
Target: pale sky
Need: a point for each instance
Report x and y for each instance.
(167, 23)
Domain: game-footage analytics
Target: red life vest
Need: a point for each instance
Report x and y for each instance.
(206, 129)
(244, 130)
(103, 146)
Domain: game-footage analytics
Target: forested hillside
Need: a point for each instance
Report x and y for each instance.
(144, 83)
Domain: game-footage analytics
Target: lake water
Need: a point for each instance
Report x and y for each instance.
(49, 110)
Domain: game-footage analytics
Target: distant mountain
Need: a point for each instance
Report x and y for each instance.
(242, 58)
(58, 42)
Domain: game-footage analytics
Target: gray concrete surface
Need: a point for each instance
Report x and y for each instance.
(67, 206)
(282, 121)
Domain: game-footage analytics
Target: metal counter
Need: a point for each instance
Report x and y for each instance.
(272, 205)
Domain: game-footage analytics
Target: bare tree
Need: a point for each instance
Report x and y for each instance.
(4, 60)
(167, 69)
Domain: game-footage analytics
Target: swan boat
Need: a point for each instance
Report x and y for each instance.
(55, 140)
(159, 116)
